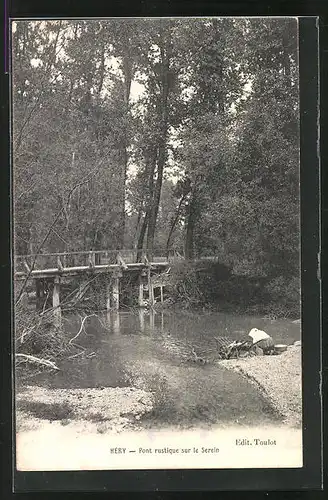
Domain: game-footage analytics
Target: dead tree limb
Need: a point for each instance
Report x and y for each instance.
(39, 361)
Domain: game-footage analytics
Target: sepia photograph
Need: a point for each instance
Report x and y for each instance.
(156, 243)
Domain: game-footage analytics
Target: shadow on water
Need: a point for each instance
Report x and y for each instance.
(150, 351)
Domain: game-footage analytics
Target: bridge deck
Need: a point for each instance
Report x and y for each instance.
(52, 265)
(102, 268)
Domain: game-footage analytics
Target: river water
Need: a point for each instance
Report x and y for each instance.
(151, 351)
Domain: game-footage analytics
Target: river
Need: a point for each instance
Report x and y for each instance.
(150, 351)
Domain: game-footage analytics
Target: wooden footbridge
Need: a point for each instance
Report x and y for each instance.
(49, 271)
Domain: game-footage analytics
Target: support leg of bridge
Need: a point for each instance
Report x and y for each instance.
(116, 293)
(141, 292)
(56, 302)
(108, 295)
(161, 289)
(162, 322)
(151, 290)
(151, 320)
(116, 323)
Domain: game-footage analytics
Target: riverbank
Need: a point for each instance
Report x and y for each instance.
(115, 409)
(279, 378)
(111, 409)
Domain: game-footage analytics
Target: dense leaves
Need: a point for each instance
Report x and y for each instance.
(175, 133)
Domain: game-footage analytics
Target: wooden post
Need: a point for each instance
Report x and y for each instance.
(116, 290)
(56, 301)
(59, 264)
(92, 260)
(141, 292)
(152, 320)
(161, 289)
(150, 290)
(162, 322)
(108, 295)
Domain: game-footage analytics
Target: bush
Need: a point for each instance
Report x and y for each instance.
(210, 285)
(37, 334)
(197, 284)
(285, 292)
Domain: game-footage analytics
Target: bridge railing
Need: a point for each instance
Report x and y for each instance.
(69, 259)
(23, 263)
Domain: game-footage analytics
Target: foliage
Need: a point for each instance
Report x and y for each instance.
(175, 132)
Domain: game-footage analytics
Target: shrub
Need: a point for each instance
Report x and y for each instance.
(286, 292)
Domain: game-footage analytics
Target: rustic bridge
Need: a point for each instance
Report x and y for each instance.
(48, 271)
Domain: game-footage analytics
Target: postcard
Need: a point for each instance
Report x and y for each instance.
(156, 225)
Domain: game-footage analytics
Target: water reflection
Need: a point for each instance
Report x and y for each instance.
(141, 313)
(151, 320)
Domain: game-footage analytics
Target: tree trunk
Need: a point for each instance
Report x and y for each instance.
(165, 49)
(173, 225)
(142, 236)
(191, 223)
(151, 158)
(127, 71)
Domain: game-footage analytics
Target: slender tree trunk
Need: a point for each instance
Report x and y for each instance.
(173, 225)
(137, 228)
(142, 236)
(128, 72)
(165, 50)
(155, 205)
(148, 196)
(191, 223)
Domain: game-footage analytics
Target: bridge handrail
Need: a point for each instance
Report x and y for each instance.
(87, 252)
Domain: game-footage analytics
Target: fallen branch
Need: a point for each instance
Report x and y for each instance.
(33, 359)
(81, 327)
(76, 355)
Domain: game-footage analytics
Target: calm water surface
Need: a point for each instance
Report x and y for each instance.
(151, 351)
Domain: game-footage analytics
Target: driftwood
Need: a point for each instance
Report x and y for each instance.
(39, 361)
(81, 328)
(228, 349)
(76, 355)
(235, 349)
